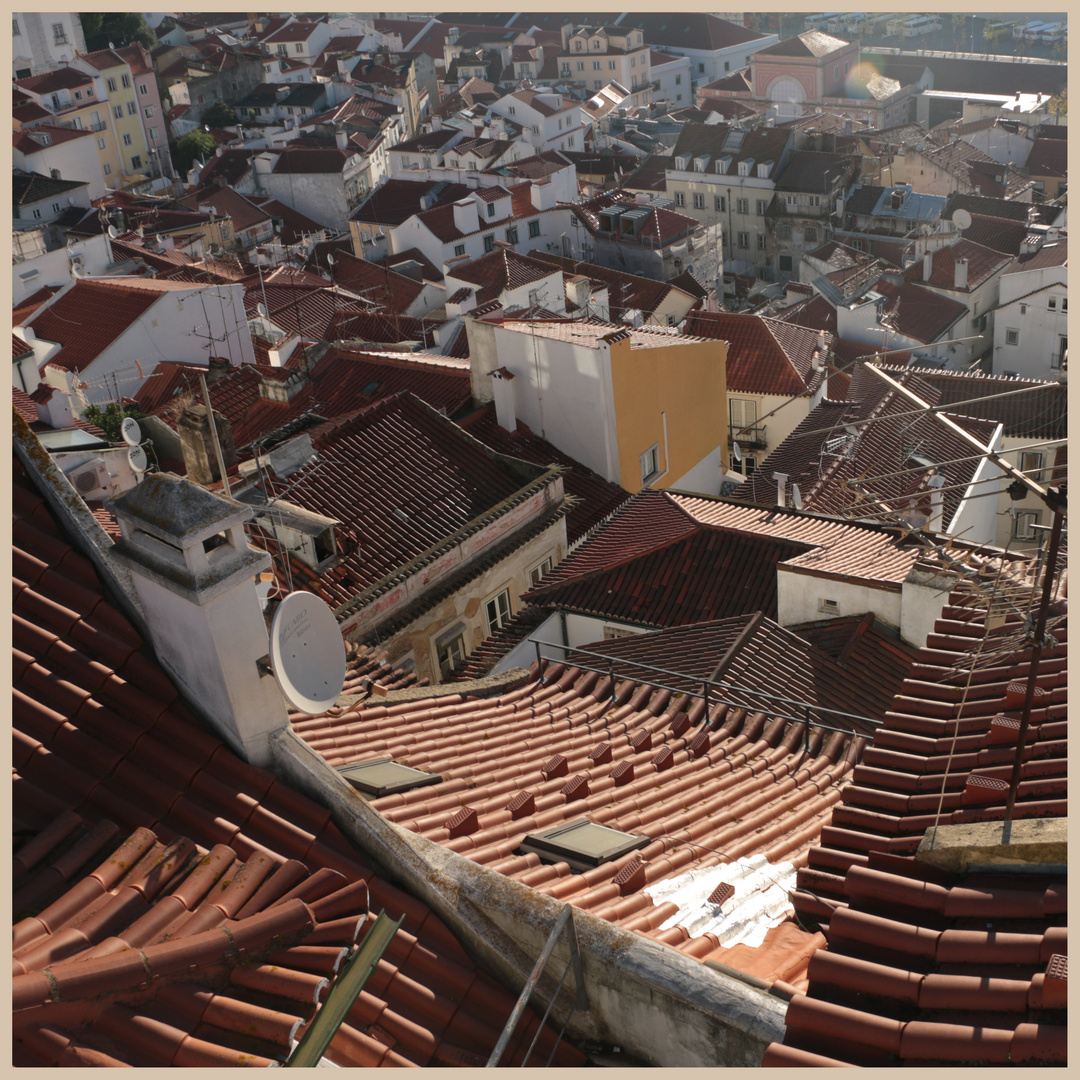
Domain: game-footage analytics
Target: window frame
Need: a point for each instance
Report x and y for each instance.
(450, 652)
(1024, 522)
(538, 571)
(650, 457)
(498, 611)
(1012, 335)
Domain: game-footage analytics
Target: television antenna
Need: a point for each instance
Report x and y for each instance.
(307, 653)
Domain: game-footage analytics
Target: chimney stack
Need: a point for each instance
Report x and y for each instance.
(961, 274)
(781, 479)
(502, 386)
(197, 447)
(194, 574)
(927, 265)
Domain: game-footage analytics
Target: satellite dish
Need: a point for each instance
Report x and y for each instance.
(71, 200)
(261, 310)
(129, 431)
(112, 232)
(330, 259)
(137, 458)
(307, 653)
(962, 219)
(796, 496)
(737, 451)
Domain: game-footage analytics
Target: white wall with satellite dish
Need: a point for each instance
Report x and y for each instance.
(307, 653)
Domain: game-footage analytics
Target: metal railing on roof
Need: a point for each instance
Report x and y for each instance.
(724, 688)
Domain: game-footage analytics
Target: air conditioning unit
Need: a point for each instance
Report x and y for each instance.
(92, 479)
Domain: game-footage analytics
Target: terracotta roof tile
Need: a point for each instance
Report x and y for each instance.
(188, 862)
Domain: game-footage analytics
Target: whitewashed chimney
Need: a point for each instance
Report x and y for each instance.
(960, 277)
(194, 573)
(927, 266)
(502, 386)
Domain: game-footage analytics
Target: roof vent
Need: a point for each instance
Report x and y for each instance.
(601, 755)
(724, 891)
(642, 740)
(521, 805)
(576, 788)
(680, 723)
(623, 773)
(556, 766)
(1003, 729)
(700, 745)
(664, 759)
(984, 789)
(463, 822)
(630, 878)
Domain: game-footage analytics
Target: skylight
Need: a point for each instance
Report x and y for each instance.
(384, 776)
(582, 844)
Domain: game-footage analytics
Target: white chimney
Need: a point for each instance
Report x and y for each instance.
(781, 479)
(927, 265)
(961, 274)
(465, 216)
(341, 137)
(502, 386)
(821, 340)
(194, 573)
(543, 195)
(53, 406)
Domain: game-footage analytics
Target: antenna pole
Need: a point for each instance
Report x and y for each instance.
(1036, 657)
(214, 438)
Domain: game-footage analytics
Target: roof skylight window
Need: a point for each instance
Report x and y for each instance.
(582, 844)
(384, 776)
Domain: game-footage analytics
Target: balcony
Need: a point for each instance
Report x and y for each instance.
(748, 438)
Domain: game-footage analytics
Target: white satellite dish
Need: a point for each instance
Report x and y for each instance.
(112, 232)
(261, 309)
(737, 451)
(330, 258)
(129, 431)
(137, 458)
(307, 653)
(961, 219)
(796, 496)
(71, 200)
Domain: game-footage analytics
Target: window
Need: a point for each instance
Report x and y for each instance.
(830, 607)
(1057, 359)
(15, 28)
(510, 110)
(110, 85)
(37, 212)
(727, 65)
(836, 72)
(1032, 463)
(78, 95)
(127, 138)
(742, 206)
(56, 208)
(581, 65)
(1051, 304)
(783, 232)
(89, 91)
(497, 611)
(384, 776)
(491, 209)
(511, 236)
(1064, 303)
(811, 234)
(743, 412)
(611, 65)
(743, 239)
(701, 69)
(649, 465)
(762, 241)
(537, 572)
(107, 169)
(574, 221)
(678, 82)
(153, 135)
(719, 202)
(101, 144)
(450, 650)
(534, 229)
(132, 108)
(1024, 522)
(489, 242)
(785, 264)
(680, 199)
(699, 202)
(459, 249)
(125, 81)
(748, 465)
(298, 47)
(1023, 309)
(148, 112)
(118, 112)
(136, 161)
(582, 844)
(1012, 337)
(59, 34)
(762, 206)
(144, 89)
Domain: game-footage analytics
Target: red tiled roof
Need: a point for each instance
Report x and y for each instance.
(19, 347)
(168, 380)
(62, 78)
(394, 201)
(501, 270)
(918, 313)
(924, 966)
(628, 757)
(999, 234)
(145, 850)
(814, 314)
(304, 160)
(25, 143)
(402, 479)
(983, 263)
(1041, 413)
(227, 203)
(871, 435)
(298, 30)
(31, 303)
(765, 356)
(390, 291)
(599, 497)
(296, 225)
(336, 388)
(90, 316)
(1048, 157)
